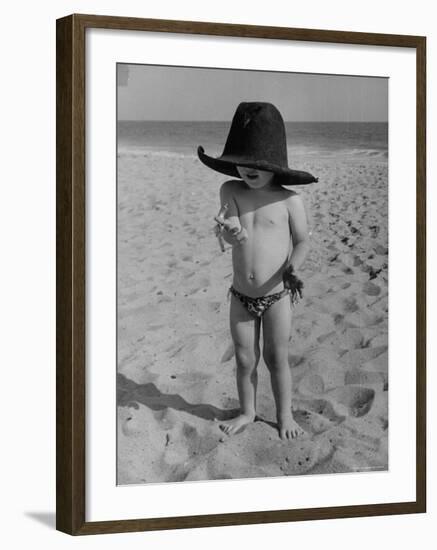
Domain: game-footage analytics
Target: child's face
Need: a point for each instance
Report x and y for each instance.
(255, 179)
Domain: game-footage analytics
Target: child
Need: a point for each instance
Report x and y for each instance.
(266, 226)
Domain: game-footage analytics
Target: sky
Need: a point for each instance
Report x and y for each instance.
(152, 92)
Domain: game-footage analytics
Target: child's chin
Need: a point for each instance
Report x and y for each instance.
(255, 184)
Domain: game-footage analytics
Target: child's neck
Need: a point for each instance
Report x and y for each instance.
(267, 188)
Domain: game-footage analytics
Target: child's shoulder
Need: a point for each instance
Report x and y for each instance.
(290, 195)
(232, 186)
(292, 200)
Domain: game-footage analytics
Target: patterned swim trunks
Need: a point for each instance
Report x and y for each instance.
(258, 306)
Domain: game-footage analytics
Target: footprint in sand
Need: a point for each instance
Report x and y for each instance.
(353, 400)
(371, 289)
(363, 377)
(377, 364)
(365, 319)
(132, 422)
(213, 306)
(320, 407)
(346, 338)
(311, 384)
(379, 340)
(346, 259)
(371, 271)
(131, 427)
(326, 364)
(350, 305)
(301, 458)
(172, 263)
(313, 421)
(177, 442)
(358, 357)
(295, 360)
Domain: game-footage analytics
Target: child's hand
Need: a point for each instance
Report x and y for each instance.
(220, 218)
(292, 282)
(239, 234)
(235, 233)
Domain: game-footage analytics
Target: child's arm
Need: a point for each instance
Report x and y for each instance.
(228, 220)
(301, 245)
(299, 231)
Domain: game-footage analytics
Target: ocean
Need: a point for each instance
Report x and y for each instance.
(352, 140)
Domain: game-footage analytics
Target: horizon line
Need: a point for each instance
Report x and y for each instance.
(229, 121)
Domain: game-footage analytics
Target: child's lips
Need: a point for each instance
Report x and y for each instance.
(252, 176)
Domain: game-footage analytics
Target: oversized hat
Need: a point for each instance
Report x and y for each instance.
(256, 140)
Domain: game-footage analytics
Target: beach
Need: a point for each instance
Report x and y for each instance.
(175, 368)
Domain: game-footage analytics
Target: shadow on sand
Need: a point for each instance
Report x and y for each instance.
(130, 394)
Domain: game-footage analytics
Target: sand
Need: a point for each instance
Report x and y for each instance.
(176, 370)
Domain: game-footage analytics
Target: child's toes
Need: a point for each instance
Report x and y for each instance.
(297, 432)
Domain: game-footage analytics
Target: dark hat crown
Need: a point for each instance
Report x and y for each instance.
(257, 133)
(256, 139)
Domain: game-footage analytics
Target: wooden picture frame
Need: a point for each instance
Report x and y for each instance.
(71, 254)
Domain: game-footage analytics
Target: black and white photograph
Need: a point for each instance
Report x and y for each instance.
(252, 274)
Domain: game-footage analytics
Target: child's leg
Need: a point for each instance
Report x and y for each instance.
(276, 332)
(245, 330)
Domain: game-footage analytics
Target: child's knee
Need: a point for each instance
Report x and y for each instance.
(247, 359)
(276, 358)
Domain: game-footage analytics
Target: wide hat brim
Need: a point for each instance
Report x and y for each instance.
(227, 164)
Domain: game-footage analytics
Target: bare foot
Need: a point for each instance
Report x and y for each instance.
(289, 428)
(232, 426)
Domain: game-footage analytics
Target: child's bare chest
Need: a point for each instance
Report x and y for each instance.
(268, 216)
